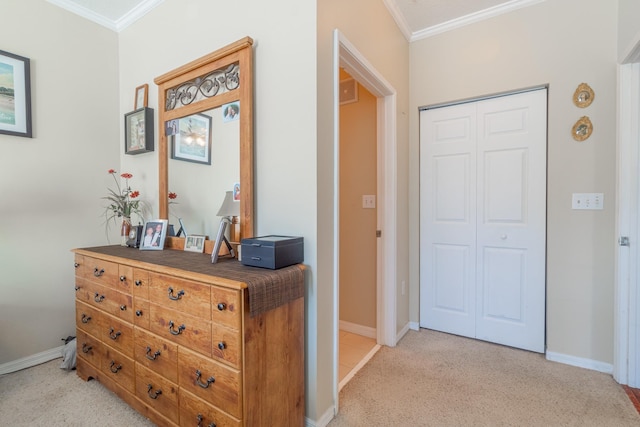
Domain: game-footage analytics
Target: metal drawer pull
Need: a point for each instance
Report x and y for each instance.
(155, 393)
(85, 319)
(112, 335)
(222, 306)
(177, 297)
(76, 265)
(77, 288)
(222, 345)
(86, 348)
(123, 279)
(139, 313)
(123, 308)
(210, 380)
(138, 282)
(152, 357)
(98, 297)
(97, 272)
(173, 331)
(256, 258)
(117, 368)
(200, 418)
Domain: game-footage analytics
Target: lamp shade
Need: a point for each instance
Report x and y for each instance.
(229, 206)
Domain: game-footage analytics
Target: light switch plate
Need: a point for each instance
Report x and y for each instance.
(587, 201)
(368, 202)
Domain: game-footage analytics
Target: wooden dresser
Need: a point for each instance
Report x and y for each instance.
(176, 336)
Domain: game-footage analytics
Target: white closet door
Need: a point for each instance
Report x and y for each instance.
(494, 277)
(448, 219)
(511, 232)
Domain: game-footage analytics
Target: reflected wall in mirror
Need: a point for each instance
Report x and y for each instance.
(218, 86)
(201, 187)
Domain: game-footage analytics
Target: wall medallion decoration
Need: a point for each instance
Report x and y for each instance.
(583, 96)
(582, 129)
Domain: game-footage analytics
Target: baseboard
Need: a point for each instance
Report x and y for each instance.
(365, 331)
(414, 326)
(402, 333)
(580, 362)
(29, 361)
(324, 420)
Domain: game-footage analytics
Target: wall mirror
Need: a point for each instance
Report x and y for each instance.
(206, 140)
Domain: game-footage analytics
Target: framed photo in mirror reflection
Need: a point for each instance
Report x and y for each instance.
(191, 138)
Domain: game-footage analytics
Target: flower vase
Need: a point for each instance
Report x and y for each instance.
(124, 230)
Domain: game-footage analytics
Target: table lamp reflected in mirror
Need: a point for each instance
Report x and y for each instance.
(229, 211)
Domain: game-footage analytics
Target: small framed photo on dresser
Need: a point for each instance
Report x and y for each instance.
(154, 235)
(194, 243)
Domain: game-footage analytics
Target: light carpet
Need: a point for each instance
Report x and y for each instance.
(437, 379)
(46, 395)
(429, 379)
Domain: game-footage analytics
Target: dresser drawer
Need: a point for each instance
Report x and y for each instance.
(196, 412)
(157, 392)
(179, 294)
(119, 368)
(181, 328)
(89, 348)
(157, 354)
(226, 307)
(226, 345)
(103, 298)
(141, 314)
(113, 275)
(140, 283)
(211, 381)
(88, 319)
(117, 334)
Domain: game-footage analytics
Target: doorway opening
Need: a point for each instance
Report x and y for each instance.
(358, 224)
(347, 57)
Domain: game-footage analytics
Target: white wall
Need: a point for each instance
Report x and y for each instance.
(538, 45)
(628, 27)
(51, 184)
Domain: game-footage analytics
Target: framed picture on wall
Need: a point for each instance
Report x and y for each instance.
(142, 96)
(192, 139)
(138, 131)
(15, 95)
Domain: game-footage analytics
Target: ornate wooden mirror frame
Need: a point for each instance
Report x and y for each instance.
(221, 77)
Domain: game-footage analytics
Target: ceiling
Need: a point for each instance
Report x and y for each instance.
(417, 19)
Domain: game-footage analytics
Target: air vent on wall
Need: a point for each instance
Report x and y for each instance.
(348, 91)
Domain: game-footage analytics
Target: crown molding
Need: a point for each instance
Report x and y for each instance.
(136, 13)
(481, 15)
(114, 25)
(397, 16)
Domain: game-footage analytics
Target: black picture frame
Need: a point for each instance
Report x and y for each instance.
(15, 102)
(138, 131)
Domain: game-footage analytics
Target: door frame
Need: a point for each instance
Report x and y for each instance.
(626, 363)
(346, 55)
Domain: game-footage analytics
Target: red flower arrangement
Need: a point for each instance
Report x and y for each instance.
(123, 201)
